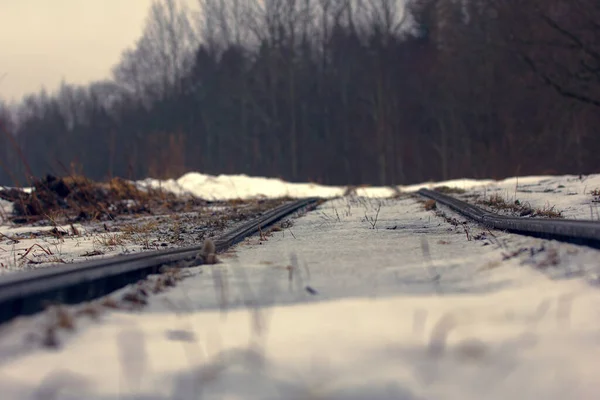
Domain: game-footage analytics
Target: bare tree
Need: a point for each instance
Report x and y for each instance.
(162, 56)
(560, 41)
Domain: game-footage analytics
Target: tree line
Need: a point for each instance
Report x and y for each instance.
(333, 91)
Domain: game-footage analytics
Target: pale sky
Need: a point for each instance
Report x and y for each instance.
(44, 41)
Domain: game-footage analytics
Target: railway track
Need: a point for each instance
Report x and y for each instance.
(580, 232)
(30, 292)
(27, 293)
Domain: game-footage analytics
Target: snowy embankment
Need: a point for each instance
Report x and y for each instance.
(360, 299)
(570, 194)
(226, 187)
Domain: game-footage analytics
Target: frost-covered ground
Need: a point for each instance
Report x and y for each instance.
(360, 299)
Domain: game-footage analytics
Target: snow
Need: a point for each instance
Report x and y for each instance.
(568, 193)
(405, 308)
(29, 247)
(226, 187)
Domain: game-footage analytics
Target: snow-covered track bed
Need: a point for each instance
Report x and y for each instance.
(30, 292)
(582, 232)
(360, 298)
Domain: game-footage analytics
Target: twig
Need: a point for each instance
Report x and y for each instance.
(47, 251)
(9, 238)
(467, 232)
(372, 221)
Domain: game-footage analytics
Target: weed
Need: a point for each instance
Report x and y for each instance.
(209, 250)
(373, 220)
(11, 239)
(467, 232)
(92, 253)
(430, 205)
(596, 195)
(45, 250)
(140, 234)
(144, 228)
(548, 212)
(263, 238)
(497, 202)
(74, 230)
(450, 220)
(111, 240)
(329, 218)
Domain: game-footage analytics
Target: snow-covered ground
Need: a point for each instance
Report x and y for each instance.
(34, 246)
(363, 298)
(569, 193)
(572, 195)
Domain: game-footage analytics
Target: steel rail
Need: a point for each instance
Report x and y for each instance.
(26, 293)
(582, 232)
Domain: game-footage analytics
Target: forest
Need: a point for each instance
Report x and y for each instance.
(340, 92)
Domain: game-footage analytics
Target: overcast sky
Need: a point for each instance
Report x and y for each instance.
(44, 41)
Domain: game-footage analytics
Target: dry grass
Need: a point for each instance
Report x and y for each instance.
(77, 198)
(449, 190)
(430, 205)
(596, 195)
(498, 203)
(547, 212)
(111, 240)
(133, 229)
(140, 233)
